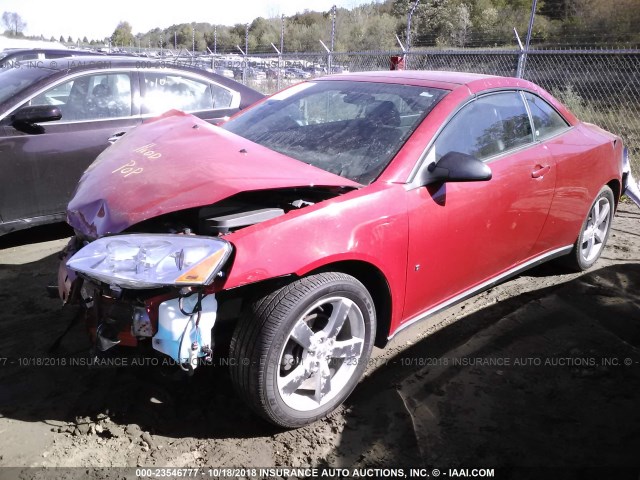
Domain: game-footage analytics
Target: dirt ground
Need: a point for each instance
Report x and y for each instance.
(541, 371)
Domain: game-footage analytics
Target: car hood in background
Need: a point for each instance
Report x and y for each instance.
(174, 162)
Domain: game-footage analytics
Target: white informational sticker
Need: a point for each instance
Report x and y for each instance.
(283, 95)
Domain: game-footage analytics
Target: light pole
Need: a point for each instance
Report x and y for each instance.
(282, 34)
(246, 52)
(333, 26)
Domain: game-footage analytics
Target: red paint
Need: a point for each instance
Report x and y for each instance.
(430, 243)
(174, 162)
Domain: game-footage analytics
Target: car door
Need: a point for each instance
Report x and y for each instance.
(575, 178)
(164, 90)
(46, 161)
(464, 234)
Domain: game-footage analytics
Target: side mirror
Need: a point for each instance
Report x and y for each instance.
(456, 167)
(37, 114)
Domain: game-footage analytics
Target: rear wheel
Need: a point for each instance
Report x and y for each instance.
(299, 351)
(594, 233)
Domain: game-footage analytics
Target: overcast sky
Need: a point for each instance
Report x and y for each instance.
(98, 19)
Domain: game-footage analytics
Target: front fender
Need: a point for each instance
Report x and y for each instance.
(368, 225)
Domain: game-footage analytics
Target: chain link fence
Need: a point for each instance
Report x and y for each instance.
(598, 86)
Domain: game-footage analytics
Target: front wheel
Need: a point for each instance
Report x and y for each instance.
(299, 351)
(594, 233)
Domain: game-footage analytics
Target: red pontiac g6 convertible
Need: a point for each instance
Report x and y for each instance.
(327, 218)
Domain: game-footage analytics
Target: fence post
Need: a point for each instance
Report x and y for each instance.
(280, 53)
(215, 47)
(279, 61)
(193, 39)
(406, 61)
(246, 52)
(329, 57)
(534, 5)
(520, 55)
(333, 27)
(244, 61)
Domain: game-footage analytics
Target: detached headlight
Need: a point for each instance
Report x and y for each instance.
(149, 261)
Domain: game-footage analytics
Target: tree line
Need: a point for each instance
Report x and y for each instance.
(374, 26)
(443, 23)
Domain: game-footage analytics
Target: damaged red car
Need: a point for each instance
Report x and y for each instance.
(325, 219)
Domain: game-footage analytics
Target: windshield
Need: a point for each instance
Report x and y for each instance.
(352, 129)
(14, 79)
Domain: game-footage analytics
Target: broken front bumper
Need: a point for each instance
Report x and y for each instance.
(175, 322)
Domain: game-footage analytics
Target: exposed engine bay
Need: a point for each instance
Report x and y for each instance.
(175, 318)
(239, 211)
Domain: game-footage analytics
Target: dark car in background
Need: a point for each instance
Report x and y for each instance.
(296, 73)
(56, 117)
(11, 56)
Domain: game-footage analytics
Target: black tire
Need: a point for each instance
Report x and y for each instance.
(264, 355)
(582, 257)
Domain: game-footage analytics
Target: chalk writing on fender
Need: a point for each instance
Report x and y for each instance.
(128, 168)
(131, 167)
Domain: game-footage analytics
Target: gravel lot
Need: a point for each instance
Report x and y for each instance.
(541, 371)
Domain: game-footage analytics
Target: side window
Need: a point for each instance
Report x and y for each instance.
(164, 91)
(546, 121)
(486, 127)
(222, 97)
(90, 97)
(27, 56)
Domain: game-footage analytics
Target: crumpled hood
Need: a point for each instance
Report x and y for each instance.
(177, 161)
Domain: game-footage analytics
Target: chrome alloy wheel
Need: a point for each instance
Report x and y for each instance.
(596, 229)
(321, 354)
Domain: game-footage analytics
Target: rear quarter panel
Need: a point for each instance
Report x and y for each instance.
(587, 158)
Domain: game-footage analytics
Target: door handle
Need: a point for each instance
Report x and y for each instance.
(540, 171)
(114, 138)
